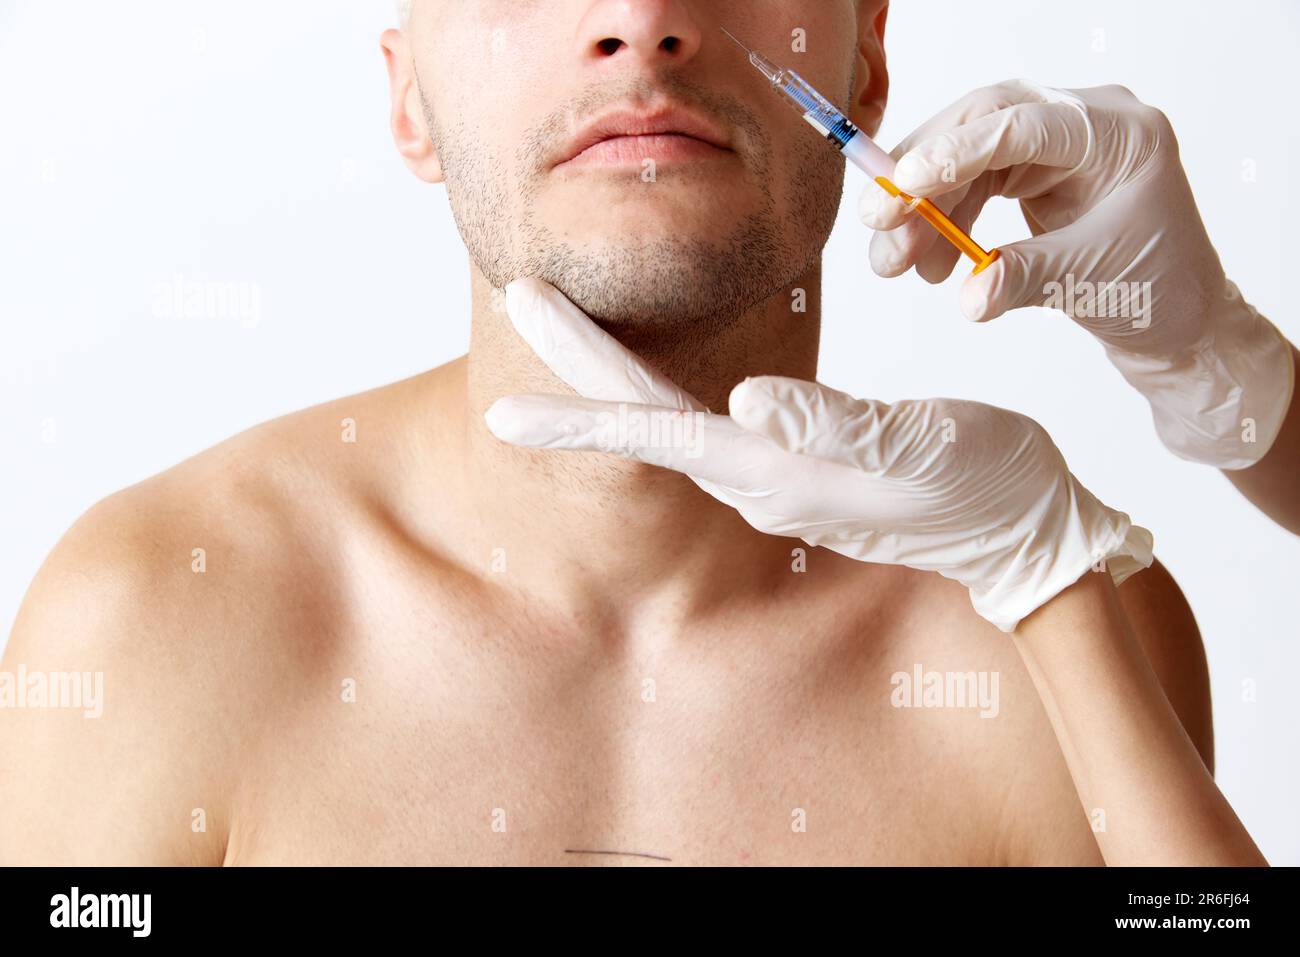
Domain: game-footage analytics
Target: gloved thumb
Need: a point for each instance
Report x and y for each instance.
(809, 419)
(1023, 272)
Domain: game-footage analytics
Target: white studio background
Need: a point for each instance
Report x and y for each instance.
(152, 142)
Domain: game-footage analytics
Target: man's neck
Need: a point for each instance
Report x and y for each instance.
(779, 336)
(603, 534)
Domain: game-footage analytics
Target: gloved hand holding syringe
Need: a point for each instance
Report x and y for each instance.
(1099, 181)
(860, 150)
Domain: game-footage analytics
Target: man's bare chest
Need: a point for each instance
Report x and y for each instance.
(519, 746)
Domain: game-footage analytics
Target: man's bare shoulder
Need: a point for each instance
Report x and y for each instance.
(195, 595)
(241, 518)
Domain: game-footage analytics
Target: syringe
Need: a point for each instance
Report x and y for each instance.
(859, 149)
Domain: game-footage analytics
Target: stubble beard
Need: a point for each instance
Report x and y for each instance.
(666, 298)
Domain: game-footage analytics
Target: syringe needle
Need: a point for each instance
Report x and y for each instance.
(735, 41)
(759, 62)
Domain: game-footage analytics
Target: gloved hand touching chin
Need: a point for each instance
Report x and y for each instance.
(979, 494)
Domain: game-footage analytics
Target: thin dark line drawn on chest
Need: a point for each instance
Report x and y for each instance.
(652, 857)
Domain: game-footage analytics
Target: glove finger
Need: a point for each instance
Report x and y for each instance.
(910, 474)
(938, 263)
(774, 491)
(702, 445)
(1027, 272)
(985, 100)
(1028, 134)
(589, 360)
(894, 252)
(880, 211)
(806, 418)
(940, 259)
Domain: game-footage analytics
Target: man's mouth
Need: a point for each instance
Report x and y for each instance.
(629, 137)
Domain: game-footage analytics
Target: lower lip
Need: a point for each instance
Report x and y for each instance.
(635, 150)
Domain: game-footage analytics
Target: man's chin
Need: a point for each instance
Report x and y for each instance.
(661, 282)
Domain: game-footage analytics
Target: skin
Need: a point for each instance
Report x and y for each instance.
(588, 650)
(1129, 755)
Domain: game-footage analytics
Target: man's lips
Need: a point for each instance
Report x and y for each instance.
(630, 137)
(635, 150)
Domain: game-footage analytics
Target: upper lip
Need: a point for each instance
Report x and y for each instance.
(626, 121)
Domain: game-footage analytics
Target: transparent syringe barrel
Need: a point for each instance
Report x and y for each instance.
(860, 150)
(858, 147)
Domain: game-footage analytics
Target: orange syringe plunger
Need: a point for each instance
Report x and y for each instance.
(946, 228)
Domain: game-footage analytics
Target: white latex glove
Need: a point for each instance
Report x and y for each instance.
(976, 493)
(1099, 181)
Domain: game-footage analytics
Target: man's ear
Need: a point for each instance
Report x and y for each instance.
(410, 132)
(871, 91)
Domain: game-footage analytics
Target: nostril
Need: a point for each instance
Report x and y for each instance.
(610, 45)
(670, 44)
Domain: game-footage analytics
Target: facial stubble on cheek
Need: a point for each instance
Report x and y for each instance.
(701, 282)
